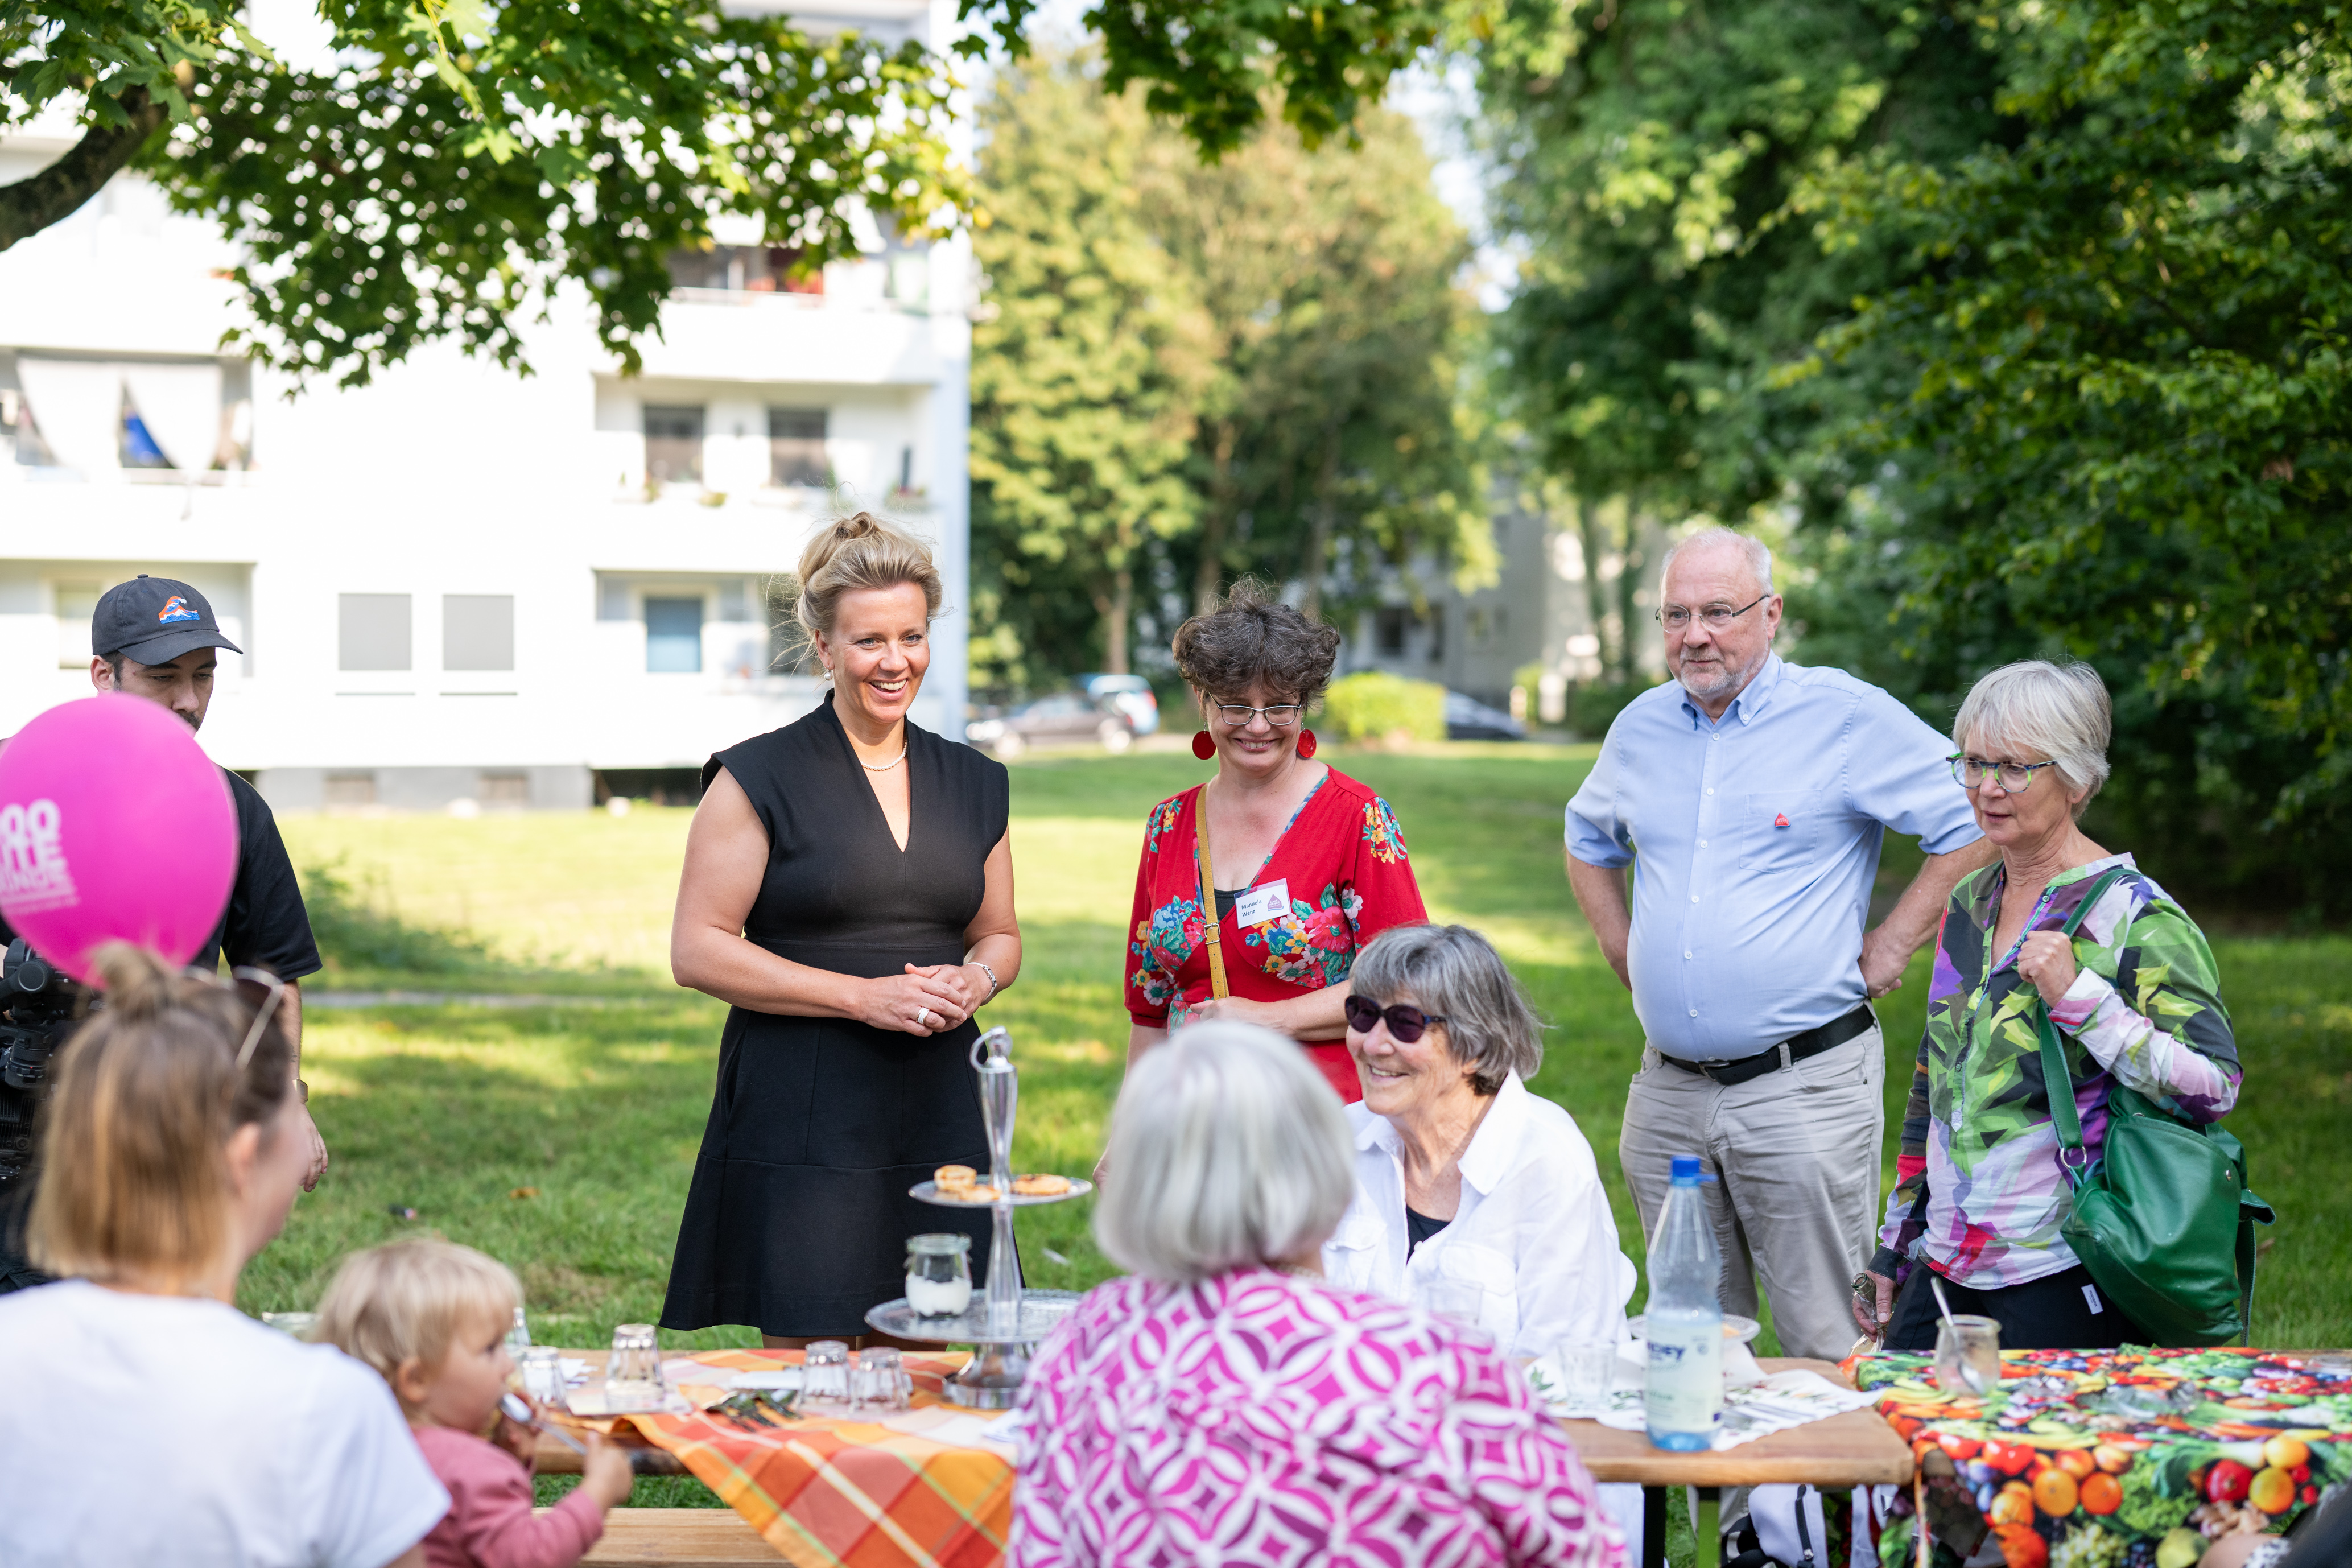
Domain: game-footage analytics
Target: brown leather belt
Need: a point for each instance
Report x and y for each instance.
(1772, 1059)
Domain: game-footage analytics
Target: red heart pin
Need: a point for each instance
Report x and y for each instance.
(1781, 820)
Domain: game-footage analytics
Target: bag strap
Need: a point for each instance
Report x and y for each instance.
(1210, 921)
(2055, 1079)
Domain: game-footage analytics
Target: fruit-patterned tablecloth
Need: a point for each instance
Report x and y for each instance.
(2128, 1458)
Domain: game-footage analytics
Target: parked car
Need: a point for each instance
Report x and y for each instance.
(1064, 719)
(1467, 719)
(1133, 693)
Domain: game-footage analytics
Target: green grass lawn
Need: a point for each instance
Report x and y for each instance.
(561, 1137)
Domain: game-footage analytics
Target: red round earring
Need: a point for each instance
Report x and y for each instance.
(1204, 745)
(1305, 744)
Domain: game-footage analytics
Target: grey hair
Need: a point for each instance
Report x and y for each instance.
(1759, 554)
(1226, 1150)
(1452, 972)
(2058, 709)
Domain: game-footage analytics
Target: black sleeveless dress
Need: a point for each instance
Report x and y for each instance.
(798, 1217)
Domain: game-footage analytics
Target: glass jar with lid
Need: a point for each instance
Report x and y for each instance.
(939, 1274)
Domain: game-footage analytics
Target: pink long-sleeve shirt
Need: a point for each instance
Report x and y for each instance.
(490, 1523)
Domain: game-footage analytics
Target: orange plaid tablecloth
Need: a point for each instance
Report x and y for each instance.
(826, 1492)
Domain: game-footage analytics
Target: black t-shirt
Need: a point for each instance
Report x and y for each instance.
(1419, 1228)
(265, 925)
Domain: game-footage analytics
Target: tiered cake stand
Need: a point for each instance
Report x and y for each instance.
(1005, 1321)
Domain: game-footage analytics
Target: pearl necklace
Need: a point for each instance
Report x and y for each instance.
(882, 767)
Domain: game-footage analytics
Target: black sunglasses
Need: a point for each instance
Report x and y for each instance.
(1405, 1023)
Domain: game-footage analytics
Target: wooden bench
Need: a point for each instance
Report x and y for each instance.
(678, 1538)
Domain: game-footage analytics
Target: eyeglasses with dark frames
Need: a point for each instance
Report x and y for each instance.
(1406, 1023)
(1676, 618)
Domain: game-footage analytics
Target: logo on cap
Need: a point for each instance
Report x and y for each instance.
(175, 609)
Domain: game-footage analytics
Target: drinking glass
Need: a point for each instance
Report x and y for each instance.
(879, 1380)
(824, 1374)
(543, 1375)
(1973, 1343)
(939, 1275)
(636, 1358)
(1590, 1369)
(1459, 1299)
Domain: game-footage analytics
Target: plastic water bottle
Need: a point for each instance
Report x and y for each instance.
(1682, 1392)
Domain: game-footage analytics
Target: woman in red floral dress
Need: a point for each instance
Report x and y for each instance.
(1306, 865)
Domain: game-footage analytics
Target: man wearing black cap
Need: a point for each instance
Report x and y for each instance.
(156, 638)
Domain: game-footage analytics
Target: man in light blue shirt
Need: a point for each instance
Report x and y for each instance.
(1755, 796)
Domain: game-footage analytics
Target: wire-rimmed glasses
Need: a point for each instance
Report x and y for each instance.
(2015, 777)
(1677, 617)
(1241, 715)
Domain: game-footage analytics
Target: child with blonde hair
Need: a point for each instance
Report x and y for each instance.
(432, 1318)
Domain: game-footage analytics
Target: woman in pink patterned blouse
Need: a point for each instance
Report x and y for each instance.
(1225, 1405)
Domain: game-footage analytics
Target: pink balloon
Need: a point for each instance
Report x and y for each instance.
(114, 825)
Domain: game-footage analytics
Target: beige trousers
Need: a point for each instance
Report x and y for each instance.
(1796, 1157)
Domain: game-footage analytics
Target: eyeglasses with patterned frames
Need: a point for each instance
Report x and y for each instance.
(1406, 1023)
(2015, 777)
(1676, 618)
(1240, 715)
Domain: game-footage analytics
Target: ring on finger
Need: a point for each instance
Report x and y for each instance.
(923, 1016)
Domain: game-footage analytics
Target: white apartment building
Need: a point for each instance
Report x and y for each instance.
(457, 584)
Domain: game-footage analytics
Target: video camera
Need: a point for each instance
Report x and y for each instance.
(38, 1010)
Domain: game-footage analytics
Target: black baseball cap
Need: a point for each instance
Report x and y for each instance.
(153, 620)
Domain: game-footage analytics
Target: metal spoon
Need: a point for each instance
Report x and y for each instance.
(517, 1409)
(1967, 1374)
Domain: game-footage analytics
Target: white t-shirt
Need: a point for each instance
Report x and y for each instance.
(167, 1429)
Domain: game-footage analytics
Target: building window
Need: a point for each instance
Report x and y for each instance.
(1389, 623)
(796, 448)
(477, 631)
(345, 790)
(77, 602)
(503, 789)
(673, 445)
(372, 633)
(673, 637)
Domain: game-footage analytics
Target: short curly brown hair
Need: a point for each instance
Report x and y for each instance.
(1254, 636)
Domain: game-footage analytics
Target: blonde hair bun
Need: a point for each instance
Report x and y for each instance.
(861, 552)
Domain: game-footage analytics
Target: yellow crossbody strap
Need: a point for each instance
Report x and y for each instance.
(1210, 921)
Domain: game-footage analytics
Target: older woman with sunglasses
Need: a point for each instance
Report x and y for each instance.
(1256, 889)
(1474, 1198)
(2134, 994)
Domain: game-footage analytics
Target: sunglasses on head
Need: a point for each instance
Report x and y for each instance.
(1405, 1022)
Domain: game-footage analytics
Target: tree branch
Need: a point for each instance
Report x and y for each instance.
(32, 205)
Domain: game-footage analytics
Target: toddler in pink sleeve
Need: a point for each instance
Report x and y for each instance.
(432, 1318)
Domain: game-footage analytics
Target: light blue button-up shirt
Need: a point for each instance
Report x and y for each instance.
(1758, 839)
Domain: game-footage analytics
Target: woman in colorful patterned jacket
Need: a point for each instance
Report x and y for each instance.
(1223, 1403)
(2134, 996)
(1305, 864)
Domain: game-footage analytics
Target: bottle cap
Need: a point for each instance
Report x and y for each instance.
(1686, 1168)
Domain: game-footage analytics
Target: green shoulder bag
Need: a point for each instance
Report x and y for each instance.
(2162, 1217)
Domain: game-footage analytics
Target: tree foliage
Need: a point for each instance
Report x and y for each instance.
(2030, 316)
(1287, 317)
(460, 163)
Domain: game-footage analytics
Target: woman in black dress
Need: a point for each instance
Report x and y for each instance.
(848, 889)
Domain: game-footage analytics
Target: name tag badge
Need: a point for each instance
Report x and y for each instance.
(1267, 901)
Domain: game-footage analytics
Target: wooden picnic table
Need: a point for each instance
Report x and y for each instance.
(1856, 1448)
(1852, 1450)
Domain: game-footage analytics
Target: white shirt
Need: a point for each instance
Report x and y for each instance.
(171, 1429)
(1533, 1237)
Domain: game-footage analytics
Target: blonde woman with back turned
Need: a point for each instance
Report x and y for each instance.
(145, 1419)
(848, 889)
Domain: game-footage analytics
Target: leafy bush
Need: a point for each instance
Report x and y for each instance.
(1375, 706)
(353, 933)
(1597, 703)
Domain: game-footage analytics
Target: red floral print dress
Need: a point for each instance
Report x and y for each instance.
(1343, 859)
